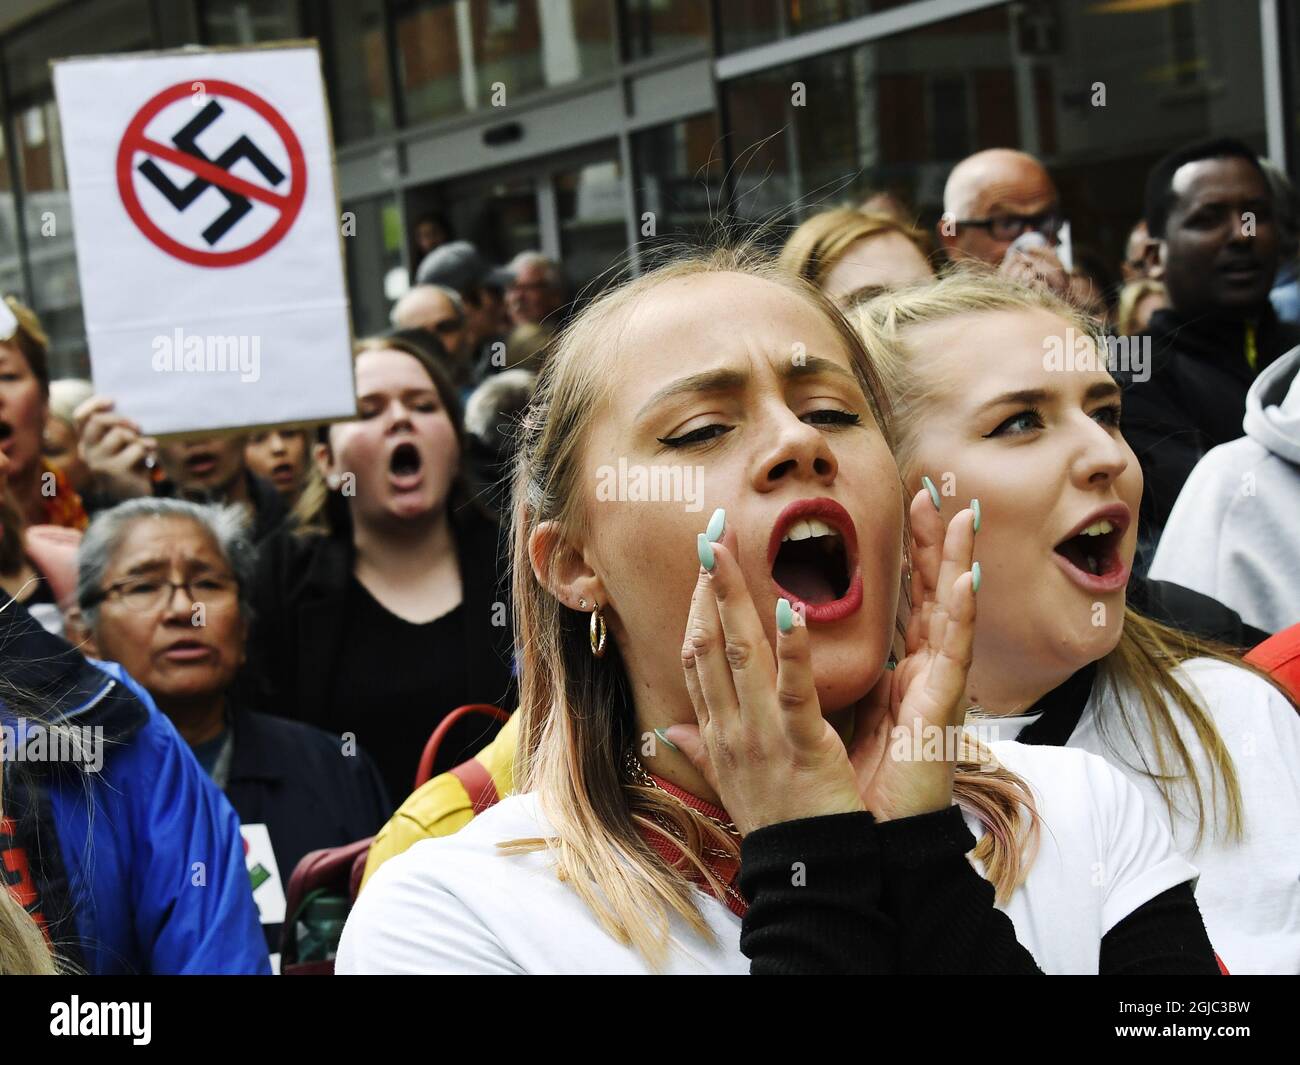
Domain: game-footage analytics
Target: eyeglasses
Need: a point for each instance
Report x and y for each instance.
(448, 326)
(1010, 226)
(146, 595)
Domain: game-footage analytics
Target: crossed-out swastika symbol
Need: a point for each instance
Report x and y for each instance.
(283, 192)
(181, 197)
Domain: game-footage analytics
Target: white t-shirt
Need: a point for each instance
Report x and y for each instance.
(1248, 892)
(457, 905)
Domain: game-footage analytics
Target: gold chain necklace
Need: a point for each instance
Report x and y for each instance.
(641, 776)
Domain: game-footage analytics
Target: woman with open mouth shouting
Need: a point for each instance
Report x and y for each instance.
(710, 782)
(381, 611)
(985, 407)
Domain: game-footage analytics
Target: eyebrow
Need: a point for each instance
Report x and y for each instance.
(152, 565)
(725, 380)
(1033, 396)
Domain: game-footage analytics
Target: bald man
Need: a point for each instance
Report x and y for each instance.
(441, 311)
(990, 199)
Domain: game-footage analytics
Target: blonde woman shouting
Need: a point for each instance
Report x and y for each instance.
(1003, 395)
(758, 647)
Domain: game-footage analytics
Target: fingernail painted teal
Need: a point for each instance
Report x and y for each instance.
(666, 741)
(717, 525)
(892, 663)
(784, 615)
(934, 492)
(705, 550)
(975, 577)
(975, 506)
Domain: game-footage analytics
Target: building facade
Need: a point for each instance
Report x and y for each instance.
(597, 130)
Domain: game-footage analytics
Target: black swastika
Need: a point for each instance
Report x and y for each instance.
(181, 197)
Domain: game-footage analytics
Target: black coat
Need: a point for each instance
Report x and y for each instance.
(300, 603)
(1194, 400)
(304, 787)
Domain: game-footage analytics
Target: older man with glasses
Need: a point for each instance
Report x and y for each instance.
(993, 198)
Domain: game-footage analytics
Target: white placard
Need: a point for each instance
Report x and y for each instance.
(207, 231)
(263, 873)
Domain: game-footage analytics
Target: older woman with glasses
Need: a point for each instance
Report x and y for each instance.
(161, 590)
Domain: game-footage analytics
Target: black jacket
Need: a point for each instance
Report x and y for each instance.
(1193, 400)
(303, 785)
(300, 603)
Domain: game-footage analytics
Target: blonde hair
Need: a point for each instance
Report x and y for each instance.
(23, 950)
(1129, 297)
(813, 250)
(1148, 652)
(31, 340)
(575, 712)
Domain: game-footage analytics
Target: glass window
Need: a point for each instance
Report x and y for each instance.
(11, 275)
(1097, 91)
(356, 67)
(593, 222)
(678, 180)
(249, 21)
(499, 216)
(463, 55)
(372, 247)
(1290, 16)
(749, 23)
(656, 27)
(87, 29)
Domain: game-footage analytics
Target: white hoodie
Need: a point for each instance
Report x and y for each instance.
(1234, 533)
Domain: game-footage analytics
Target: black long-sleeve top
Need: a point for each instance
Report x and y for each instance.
(901, 897)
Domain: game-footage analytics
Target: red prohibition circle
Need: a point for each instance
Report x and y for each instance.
(133, 141)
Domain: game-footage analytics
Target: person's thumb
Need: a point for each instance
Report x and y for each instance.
(687, 740)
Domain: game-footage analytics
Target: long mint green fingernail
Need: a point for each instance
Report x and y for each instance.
(705, 550)
(975, 577)
(784, 615)
(975, 506)
(934, 492)
(666, 741)
(717, 524)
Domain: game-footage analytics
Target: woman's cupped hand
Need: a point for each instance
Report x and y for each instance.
(760, 739)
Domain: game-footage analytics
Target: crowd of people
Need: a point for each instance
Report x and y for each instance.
(979, 651)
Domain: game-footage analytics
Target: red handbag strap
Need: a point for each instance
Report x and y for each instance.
(430, 755)
(478, 782)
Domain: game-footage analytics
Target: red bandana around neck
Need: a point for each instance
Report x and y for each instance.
(725, 869)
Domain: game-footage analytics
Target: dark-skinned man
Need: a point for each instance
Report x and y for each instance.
(1209, 207)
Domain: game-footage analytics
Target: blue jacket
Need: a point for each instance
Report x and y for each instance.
(148, 875)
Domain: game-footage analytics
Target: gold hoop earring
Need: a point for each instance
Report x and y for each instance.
(598, 633)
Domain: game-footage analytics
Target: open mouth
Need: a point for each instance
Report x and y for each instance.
(200, 463)
(6, 431)
(813, 554)
(282, 472)
(1091, 555)
(404, 463)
